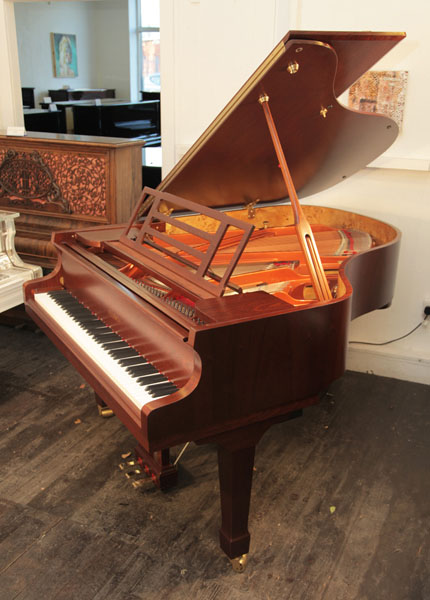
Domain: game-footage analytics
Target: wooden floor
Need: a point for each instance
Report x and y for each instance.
(340, 507)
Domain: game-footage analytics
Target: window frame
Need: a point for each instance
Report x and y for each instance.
(139, 30)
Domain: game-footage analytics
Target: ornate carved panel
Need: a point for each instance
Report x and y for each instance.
(54, 181)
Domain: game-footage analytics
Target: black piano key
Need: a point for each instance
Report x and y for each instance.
(98, 331)
(137, 370)
(87, 321)
(75, 306)
(123, 352)
(62, 296)
(97, 327)
(138, 367)
(166, 384)
(162, 391)
(81, 315)
(107, 337)
(132, 360)
(112, 345)
(149, 379)
(66, 303)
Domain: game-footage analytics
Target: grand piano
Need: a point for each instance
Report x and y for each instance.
(223, 306)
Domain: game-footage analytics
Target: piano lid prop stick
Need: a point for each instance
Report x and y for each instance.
(304, 231)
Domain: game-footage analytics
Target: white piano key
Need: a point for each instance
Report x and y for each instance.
(95, 351)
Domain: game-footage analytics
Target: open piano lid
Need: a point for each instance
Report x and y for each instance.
(234, 162)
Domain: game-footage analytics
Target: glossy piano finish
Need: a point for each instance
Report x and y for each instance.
(119, 119)
(242, 356)
(64, 95)
(251, 360)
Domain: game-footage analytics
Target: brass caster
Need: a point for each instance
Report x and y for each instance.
(105, 411)
(239, 563)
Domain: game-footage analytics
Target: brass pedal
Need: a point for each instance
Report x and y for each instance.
(133, 472)
(105, 411)
(130, 474)
(126, 465)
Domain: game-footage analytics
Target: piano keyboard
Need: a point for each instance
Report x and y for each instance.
(128, 369)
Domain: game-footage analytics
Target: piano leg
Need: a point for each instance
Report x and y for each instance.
(235, 468)
(236, 451)
(103, 408)
(158, 466)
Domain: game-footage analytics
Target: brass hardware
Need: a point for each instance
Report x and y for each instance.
(166, 211)
(323, 112)
(251, 208)
(129, 463)
(299, 49)
(263, 98)
(131, 474)
(62, 281)
(139, 482)
(265, 224)
(105, 411)
(293, 67)
(239, 563)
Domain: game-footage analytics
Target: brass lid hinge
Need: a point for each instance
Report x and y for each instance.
(251, 208)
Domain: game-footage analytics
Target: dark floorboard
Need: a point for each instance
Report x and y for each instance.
(340, 506)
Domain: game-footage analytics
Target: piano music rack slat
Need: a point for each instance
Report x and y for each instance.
(150, 231)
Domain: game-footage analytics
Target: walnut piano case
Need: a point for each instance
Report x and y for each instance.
(198, 321)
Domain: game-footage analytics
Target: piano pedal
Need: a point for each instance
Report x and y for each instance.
(130, 474)
(138, 483)
(103, 408)
(134, 475)
(105, 411)
(125, 465)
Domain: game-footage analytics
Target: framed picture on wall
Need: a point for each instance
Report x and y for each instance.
(64, 56)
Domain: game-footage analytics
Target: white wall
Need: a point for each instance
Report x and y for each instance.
(110, 46)
(10, 87)
(401, 198)
(34, 23)
(412, 55)
(101, 30)
(208, 51)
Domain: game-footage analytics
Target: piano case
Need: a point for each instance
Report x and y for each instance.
(198, 321)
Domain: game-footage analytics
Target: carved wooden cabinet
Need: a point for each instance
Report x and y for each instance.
(60, 182)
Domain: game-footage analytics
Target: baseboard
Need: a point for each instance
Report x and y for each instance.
(378, 362)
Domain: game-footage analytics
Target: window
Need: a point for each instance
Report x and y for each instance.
(149, 44)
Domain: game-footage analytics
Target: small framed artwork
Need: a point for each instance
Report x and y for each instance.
(64, 57)
(382, 92)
